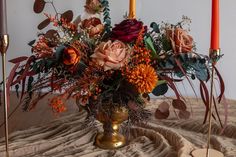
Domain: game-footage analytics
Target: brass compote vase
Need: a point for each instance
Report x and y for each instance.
(111, 138)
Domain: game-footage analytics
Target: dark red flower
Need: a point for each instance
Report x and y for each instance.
(128, 30)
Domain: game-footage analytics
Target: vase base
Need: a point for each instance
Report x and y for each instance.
(114, 141)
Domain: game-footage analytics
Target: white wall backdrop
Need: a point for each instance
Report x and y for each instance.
(22, 25)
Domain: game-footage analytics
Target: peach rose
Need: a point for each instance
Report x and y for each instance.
(70, 56)
(111, 55)
(181, 41)
(93, 25)
(93, 6)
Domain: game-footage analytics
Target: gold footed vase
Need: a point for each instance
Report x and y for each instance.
(111, 138)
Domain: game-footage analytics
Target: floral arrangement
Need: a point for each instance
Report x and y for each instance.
(103, 66)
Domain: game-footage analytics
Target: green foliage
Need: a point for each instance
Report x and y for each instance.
(150, 45)
(59, 52)
(166, 44)
(30, 85)
(201, 71)
(194, 65)
(31, 43)
(106, 15)
(160, 89)
(155, 27)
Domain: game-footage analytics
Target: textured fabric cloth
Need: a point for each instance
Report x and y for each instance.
(69, 137)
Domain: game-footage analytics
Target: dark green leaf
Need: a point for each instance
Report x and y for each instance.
(105, 3)
(108, 22)
(160, 89)
(201, 71)
(29, 86)
(17, 90)
(155, 27)
(106, 9)
(59, 52)
(31, 43)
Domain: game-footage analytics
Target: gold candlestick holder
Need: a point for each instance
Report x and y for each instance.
(214, 55)
(4, 43)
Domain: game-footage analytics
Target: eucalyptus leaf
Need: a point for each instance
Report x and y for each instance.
(108, 21)
(160, 89)
(59, 52)
(201, 71)
(155, 27)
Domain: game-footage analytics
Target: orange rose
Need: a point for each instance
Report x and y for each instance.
(70, 56)
(93, 25)
(181, 41)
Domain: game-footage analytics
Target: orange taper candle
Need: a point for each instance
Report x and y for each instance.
(132, 9)
(215, 25)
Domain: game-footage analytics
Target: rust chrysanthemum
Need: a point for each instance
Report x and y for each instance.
(143, 77)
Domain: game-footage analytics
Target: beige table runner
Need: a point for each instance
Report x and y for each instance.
(69, 137)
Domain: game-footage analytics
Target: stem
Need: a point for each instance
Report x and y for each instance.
(54, 8)
(210, 113)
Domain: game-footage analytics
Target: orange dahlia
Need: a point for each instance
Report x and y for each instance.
(143, 77)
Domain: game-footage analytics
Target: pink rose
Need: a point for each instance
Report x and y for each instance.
(181, 41)
(111, 55)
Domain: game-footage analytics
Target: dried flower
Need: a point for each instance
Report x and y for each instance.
(93, 6)
(111, 55)
(93, 26)
(41, 49)
(143, 77)
(141, 55)
(68, 26)
(128, 30)
(57, 105)
(71, 56)
(181, 41)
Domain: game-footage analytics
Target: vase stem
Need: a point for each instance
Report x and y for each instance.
(111, 138)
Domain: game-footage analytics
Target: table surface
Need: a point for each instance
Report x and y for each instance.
(68, 136)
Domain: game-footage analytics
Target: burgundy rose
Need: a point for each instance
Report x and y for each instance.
(127, 31)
